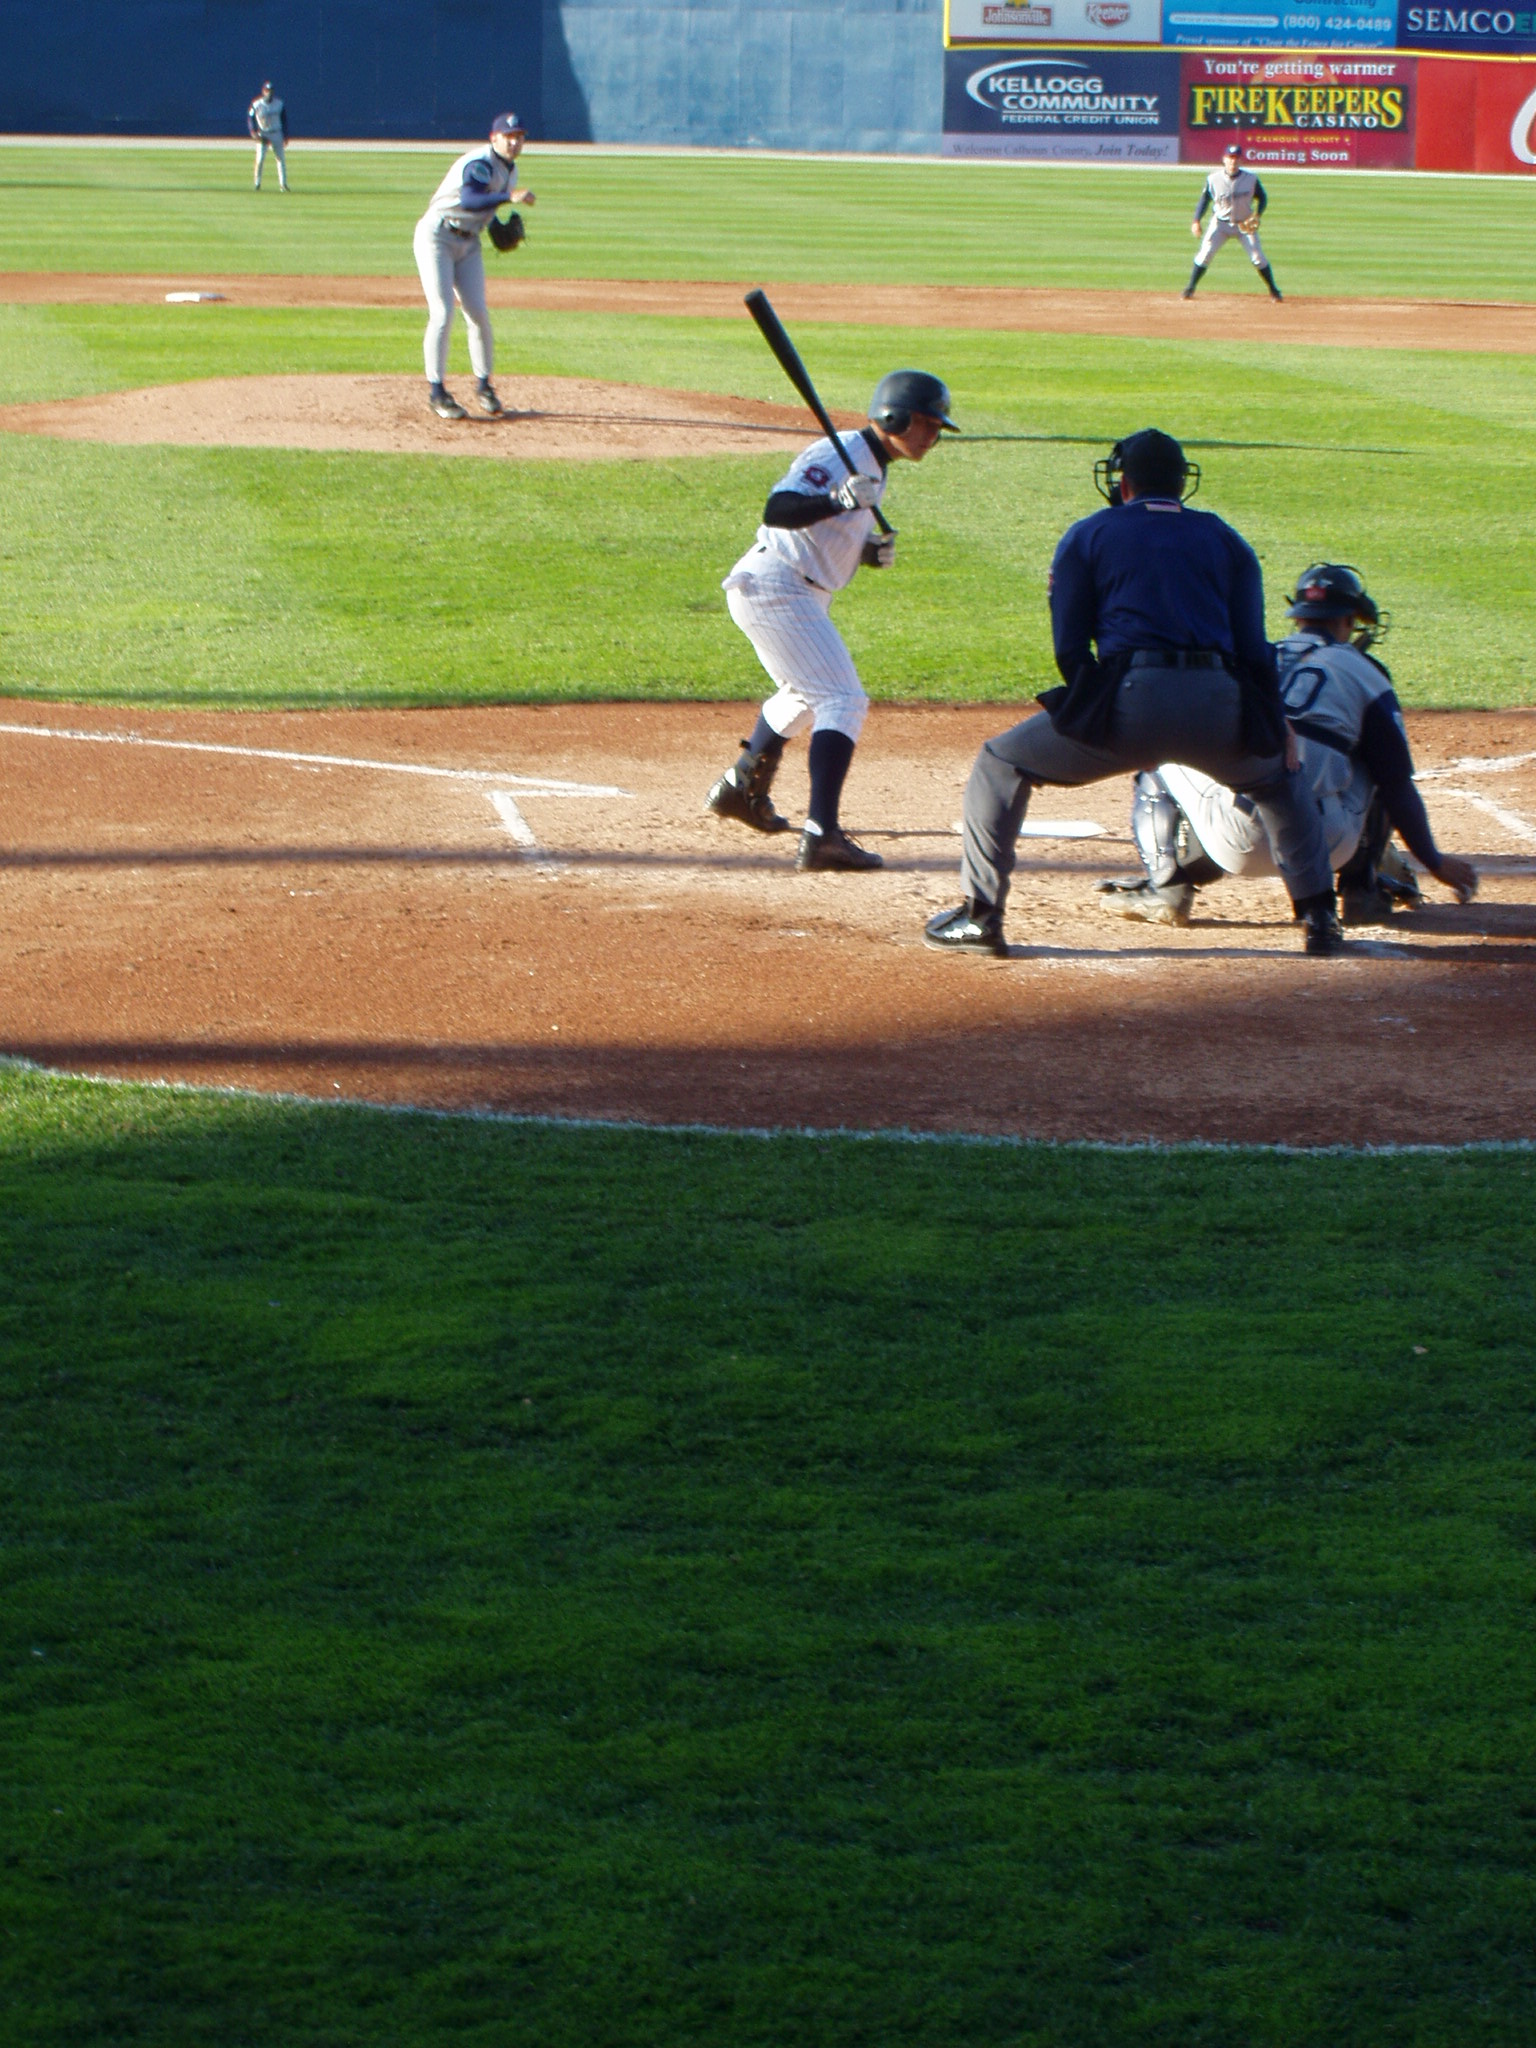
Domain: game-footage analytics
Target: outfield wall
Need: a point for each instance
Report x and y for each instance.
(783, 74)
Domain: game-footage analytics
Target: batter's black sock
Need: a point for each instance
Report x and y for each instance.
(1269, 278)
(764, 739)
(831, 753)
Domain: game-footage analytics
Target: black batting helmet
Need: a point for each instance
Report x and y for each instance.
(1333, 590)
(905, 392)
(1152, 462)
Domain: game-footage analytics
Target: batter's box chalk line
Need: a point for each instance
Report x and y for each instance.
(1051, 828)
(505, 803)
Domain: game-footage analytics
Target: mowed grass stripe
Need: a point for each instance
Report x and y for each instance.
(682, 1589)
(698, 217)
(265, 577)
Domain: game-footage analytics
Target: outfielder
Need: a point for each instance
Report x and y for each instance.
(268, 125)
(1236, 200)
(1157, 615)
(1190, 829)
(447, 246)
(818, 527)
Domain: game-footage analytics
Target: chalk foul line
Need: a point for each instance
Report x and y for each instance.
(1517, 827)
(530, 785)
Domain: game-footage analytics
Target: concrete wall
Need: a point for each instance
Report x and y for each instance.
(787, 74)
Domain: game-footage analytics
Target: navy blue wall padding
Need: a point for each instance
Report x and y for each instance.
(386, 68)
(783, 74)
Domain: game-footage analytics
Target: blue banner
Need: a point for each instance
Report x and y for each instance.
(1250, 24)
(1468, 28)
(1100, 106)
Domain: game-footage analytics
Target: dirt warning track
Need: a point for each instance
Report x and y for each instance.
(526, 909)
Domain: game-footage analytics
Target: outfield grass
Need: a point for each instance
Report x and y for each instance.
(469, 1582)
(238, 576)
(693, 217)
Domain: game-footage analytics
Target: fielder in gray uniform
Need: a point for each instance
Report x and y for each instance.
(1191, 829)
(1157, 613)
(1235, 199)
(268, 124)
(447, 247)
(818, 527)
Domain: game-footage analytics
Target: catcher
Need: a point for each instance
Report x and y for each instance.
(447, 246)
(1340, 704)
(1235, 199)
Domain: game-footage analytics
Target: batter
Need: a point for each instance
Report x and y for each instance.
(818, 527)
(268, 125)
(447, 247)
(1235, 200)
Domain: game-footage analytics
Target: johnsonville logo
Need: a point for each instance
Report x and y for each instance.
(1333, 107)
(1018, 14)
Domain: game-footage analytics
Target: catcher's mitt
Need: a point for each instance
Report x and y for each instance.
(506, 234)
(1249, 224)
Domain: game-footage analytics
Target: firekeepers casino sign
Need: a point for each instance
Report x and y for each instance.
(1106, 106)
(1316, 110)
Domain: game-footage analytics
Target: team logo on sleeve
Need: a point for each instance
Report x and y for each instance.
(817, 476)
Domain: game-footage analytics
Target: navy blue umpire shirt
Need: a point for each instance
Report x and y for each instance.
(1155, 573)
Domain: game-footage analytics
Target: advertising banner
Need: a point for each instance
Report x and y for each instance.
(1329, 110)
(1468, 29)
(1053, 21)
(1100, 106)
(1240, 24)
(1476, 117)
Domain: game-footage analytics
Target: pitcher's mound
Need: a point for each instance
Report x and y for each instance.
(552, 419)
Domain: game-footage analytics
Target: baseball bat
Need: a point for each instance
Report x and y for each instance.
(757, 304)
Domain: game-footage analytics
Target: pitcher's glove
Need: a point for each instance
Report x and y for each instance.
(879, 551)
(506, 234)
(1249, 224)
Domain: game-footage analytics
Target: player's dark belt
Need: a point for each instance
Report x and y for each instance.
(1177, 657)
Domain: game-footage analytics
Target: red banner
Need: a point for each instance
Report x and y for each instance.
(1475, 116)
(1337, 109)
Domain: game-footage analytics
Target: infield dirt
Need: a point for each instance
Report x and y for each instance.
(407, 920)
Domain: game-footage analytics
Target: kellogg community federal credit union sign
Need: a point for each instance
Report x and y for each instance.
(1100, 105)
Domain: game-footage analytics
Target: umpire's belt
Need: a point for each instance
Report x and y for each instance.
(1177, 657)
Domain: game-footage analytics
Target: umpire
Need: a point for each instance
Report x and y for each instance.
(1157, 612)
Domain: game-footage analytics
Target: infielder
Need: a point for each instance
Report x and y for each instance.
(1339, 700)
(1238, 200)
(818, 527)
(268, 125)
(447, 246)
(1157, 615)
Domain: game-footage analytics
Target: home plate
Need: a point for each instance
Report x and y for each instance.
(1051, 828)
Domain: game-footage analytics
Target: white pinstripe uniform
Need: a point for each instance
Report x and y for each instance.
(780, 592)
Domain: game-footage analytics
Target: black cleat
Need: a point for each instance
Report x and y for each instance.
(1325, 935)
(1188, 292)
(745, 797)
(969, 928)
(487, 400)
(834, 850)
(444, 404)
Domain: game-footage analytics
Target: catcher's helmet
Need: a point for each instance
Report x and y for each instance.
(1333, 590)
(905, 392)
(1152, 462)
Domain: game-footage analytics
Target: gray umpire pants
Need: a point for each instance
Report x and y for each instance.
(1192, 715)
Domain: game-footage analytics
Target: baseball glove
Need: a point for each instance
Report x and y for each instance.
(1249, 224)
(506, 234)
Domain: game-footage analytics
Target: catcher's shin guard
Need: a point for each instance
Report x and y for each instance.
(742, 792)
(1165, 839)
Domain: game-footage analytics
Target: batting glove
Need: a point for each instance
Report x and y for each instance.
(858, 493)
